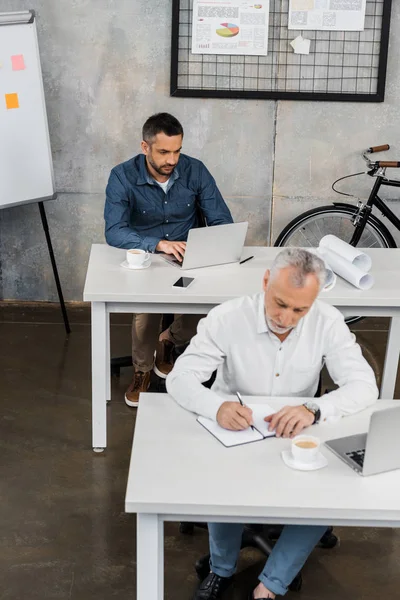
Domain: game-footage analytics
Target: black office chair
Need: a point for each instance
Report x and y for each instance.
(262, 537)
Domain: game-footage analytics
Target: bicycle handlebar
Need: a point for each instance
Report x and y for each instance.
(378, 148)
(387, 163)
(380, 164)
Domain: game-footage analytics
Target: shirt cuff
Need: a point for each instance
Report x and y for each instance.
(329, 412)
(150, 243)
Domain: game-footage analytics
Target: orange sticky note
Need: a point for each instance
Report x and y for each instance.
(12, 100)
(18, 63)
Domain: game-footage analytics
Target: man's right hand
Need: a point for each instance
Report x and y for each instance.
(175, 248)
(231, 415)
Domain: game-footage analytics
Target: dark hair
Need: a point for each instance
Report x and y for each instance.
(161, 123)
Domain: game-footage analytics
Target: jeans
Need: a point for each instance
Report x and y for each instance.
(291, 551)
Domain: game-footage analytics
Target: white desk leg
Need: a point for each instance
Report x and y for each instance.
(99, 375)
(391, 360)
(150, 557)
(108, 359)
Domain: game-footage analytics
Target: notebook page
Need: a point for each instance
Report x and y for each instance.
(260, 411)
(230, 438)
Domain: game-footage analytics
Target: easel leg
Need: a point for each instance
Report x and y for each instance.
(54, 265)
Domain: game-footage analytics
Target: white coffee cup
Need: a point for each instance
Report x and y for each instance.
(305, 448)
(137, 257)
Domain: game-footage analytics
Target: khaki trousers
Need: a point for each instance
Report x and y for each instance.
(146, 329)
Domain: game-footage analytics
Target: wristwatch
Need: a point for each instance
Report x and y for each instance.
(314, 409)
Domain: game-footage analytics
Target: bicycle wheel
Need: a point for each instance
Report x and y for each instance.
(309, 228)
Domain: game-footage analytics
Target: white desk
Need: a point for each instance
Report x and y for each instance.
(172, 454)
(110, 288)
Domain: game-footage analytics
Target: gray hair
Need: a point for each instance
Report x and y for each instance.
(303, 262)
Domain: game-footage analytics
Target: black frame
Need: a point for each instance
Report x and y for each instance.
(379, 96)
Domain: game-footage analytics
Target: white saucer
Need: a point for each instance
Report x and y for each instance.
(319, 463)
(126, 265)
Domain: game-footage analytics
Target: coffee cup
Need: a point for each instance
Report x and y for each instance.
(137, 257)
(305, 448)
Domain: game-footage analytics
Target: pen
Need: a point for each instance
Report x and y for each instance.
(240, 397)
(245, 260)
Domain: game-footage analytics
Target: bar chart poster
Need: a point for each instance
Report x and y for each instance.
(236, 27)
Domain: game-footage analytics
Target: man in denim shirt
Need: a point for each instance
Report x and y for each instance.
(152, 201)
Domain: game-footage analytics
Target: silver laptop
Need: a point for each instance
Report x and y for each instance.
(376, 451)
(209, 246)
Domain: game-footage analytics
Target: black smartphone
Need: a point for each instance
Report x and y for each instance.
(183, 282)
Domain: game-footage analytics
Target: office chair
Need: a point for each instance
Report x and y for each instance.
(258, 536)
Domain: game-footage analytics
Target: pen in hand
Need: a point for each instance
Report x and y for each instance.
(241, 404)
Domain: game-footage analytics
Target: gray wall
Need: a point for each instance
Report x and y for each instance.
(104, 72)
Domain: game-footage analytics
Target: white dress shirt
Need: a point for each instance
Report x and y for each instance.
(234, 339)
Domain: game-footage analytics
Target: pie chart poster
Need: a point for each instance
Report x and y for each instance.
(237, 27)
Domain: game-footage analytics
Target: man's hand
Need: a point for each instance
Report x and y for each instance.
(232, 415)
(175, 248)
(290, 421)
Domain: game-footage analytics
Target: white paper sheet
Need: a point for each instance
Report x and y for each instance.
(230, 27)
(354, 255)
(301, 45)
(327, 15)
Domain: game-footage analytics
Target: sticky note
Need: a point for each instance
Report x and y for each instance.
(301, 45)
(18, 63)
(12, 100)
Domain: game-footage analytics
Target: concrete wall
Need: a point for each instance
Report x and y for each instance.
(104, 72)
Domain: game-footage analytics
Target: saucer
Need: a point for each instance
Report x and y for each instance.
(126, 265)
(319, 463)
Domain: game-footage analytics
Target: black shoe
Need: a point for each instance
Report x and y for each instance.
(212, 587)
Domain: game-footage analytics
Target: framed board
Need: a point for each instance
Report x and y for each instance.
(341, 66)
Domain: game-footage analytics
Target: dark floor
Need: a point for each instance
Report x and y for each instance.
(64, 533)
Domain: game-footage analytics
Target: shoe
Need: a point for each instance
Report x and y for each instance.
(212, 587)
(140, 383)
(164, 358)
(251, 597)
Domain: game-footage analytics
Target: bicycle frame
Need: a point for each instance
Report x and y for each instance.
(364, 211)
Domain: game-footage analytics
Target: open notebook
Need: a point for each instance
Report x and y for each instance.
(237, 438)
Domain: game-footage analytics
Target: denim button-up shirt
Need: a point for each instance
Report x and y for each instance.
(138, 213)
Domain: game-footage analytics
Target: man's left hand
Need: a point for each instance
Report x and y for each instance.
(290, 421)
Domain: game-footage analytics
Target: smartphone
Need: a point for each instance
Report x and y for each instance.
(183, 282)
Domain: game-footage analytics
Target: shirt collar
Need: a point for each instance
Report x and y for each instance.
(145, 177)
(262, 326)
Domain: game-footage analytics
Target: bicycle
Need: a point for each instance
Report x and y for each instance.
(353, 224)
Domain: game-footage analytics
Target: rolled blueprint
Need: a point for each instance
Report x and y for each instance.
(330, 279)
(349, 271)
(353, 255)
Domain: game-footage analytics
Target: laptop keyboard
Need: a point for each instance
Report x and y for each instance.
(357, 456)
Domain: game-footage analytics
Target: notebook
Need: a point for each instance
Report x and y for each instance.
(236, 438)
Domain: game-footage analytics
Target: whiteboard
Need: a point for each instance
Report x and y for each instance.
(26, 168)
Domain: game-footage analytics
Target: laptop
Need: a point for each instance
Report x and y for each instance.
(376, 451)
(210, 246)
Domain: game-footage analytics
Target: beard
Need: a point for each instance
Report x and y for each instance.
(164, 170)
(275, 328)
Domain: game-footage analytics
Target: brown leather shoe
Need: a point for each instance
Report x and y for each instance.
(140, 383)
(164, 358)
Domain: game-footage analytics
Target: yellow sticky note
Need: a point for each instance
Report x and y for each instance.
(18, 63)
(12, 100)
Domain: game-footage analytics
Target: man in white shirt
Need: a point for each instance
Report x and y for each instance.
(272, 344)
